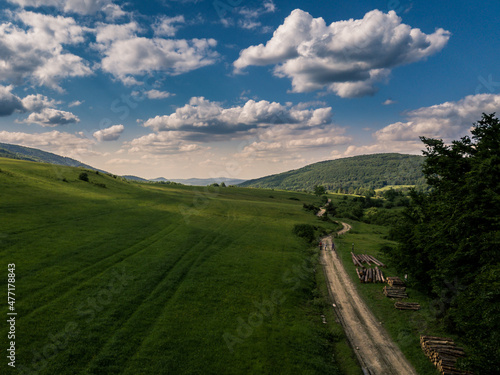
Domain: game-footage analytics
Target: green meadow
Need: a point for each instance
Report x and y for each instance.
(114, 277)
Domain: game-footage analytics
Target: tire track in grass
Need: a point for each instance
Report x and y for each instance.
(80, 278)
(112, 356)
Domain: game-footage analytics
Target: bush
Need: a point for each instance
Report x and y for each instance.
(305, 231)
(84, 176)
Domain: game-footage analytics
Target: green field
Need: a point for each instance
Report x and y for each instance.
(114, 277)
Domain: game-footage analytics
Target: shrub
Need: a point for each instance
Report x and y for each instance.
(305, 231)
(84, 176)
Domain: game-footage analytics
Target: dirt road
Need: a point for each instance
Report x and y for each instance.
(375, 350)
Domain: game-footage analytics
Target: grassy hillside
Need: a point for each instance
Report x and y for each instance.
(349, 174)
(33, 154)
(115, 277)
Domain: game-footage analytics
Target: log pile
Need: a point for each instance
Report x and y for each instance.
(370, 275)
(359, 259)
(443, 352)
(395, 292)
(407, 306)
(395, 281)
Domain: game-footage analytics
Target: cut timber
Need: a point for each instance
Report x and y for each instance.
(395, 292)
(395, 281)
(407, 306)
(443, 353)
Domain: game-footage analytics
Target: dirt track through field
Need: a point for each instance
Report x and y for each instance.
(375, 350)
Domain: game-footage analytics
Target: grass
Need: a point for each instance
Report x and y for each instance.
(153, 279)
(405, 327)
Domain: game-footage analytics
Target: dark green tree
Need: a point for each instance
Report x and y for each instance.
(453, 233)
(319, 190)
(84, 176)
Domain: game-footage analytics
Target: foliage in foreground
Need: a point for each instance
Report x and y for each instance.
(452, 236)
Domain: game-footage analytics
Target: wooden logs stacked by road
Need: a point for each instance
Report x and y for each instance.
(443, 352)
(395, 281)
(407, 306)
(395, 292)
(370, 275)
(359, 259)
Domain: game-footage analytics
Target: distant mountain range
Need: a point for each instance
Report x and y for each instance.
(33, 154)
(349, 174)
(192, 181)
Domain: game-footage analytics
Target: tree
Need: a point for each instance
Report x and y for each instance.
(319, 190)
(453, 233)
(84, 176)
(223, 184)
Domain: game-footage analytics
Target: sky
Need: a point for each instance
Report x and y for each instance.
(242, 88)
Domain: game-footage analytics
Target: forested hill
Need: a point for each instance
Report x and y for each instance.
(349, 175)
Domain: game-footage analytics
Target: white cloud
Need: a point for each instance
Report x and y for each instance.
(9, 103)
(118, 161)
(37, 53)
(162, 143)
(276, 129)
(346, 57)
(109, 134)
(204, 116)
(250, 16)
(84, 7)
(50, 117)
(389, 102)
(154, 94)
(65, 144)
(75, 103)
(126, 54)
(450, 120)
(36, 103)
(168, 26)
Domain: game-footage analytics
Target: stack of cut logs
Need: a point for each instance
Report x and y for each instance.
(407, 306)
(395, 281)
(443, 352)
(370, 275)
(359, 259)
(395, 292)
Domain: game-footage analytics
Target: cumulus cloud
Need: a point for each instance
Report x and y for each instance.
(163, 143)
(50, 117)
(36, 103)
(275, 129)
(62, 143)
(346, 57)
(109, 134)
(84, 7)
(126, 54)
(204, 119)
(168, 26)
(9, 103)
(37, 53)
(448, 121)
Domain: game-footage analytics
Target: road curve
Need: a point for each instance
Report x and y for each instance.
(376, 352)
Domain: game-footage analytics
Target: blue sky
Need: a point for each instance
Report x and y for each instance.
(241, 88)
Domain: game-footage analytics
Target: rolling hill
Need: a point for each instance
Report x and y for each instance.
(349, 174)
(130, 278)
(33, 154)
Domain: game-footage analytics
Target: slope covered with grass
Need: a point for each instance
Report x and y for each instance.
(114, 277)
